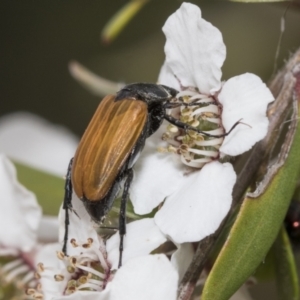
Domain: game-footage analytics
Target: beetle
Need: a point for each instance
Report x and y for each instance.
(110, 146)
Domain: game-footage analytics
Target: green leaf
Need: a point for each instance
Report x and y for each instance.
(49, 189)
(254, 231)
(266, 270)
(286, 271)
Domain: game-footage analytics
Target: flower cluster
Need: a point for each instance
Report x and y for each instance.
(20, 219)
(192, 186)
(90, 269)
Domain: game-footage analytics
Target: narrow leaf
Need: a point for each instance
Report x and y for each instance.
(120, 20)
(48, 188)
(256, 226)
(285, 266)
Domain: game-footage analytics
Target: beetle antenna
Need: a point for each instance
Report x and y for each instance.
(170, 105)
(185, 126)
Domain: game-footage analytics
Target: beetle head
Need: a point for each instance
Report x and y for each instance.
(150, 93)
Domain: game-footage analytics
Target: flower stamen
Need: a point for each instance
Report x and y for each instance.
(87, 269)
(204, 113)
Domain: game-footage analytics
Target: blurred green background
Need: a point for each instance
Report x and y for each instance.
(40, 38)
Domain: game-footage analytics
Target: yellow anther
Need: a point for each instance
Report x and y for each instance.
(171, 149)
(40, 267)
(71, 269)
(60, 255)
(59, 277)
(74, 243)
(172, 128)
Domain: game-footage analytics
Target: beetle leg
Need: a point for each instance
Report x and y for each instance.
(109, 227)
(67, 205)
(122, 216)
(185, 126)
(171, 105)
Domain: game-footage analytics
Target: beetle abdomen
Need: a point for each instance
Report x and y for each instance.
(105, 146)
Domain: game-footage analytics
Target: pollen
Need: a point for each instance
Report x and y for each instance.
(161, 150)
(73, 243)
(173, 129)
(72, 261)
(166, 136)
(90, 241)
(186, 111)
(195, 123)
(83, 279)
(60, 255)
(30, 292)
(71, 269)
(40, 267)
(59, 277)
(34, 294)
(171, 149)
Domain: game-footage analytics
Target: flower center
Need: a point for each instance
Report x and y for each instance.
(17, 271)
(88, 270)
(204, 113)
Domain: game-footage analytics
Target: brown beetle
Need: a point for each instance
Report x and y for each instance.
(110, 146)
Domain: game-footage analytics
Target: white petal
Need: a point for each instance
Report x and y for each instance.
(182, 258)
(142, 237)
(80, 228)
(53, 266)
(33, 141)
(195, 51)
(48, 230)
(197, 210)
(156, 175)
(148, 277)
(244, 97)
(167, 77)
(20, 213)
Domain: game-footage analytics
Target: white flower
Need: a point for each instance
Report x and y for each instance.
(20, 213)
(197, 201)
(90, 271)
(89, 256)
(32, 140)
(20, 218)
(23, 230)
